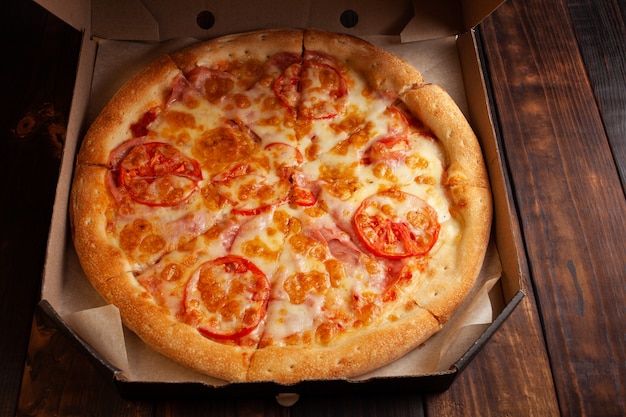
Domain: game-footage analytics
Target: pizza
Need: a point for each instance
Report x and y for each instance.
(281, 205)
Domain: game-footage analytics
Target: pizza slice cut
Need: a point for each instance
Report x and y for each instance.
(241, 75)
(151, 197)
(453, 269)
(139, 190)
(431, 197)
(329, 299)
(213, 291)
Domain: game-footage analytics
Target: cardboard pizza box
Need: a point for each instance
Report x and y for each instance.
(120, 36)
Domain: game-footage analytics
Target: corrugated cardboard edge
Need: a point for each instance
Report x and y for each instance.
(506, 228)
(55, 249)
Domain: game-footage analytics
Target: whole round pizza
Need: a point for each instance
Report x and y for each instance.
(281, 205)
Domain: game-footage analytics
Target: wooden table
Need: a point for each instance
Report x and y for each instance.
(557, 72)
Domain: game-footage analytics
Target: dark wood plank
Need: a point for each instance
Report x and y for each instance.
(509, 377)
(59, 380)
(261, 407)
(601, 33)
(570, 198)
(38, 74)
(402, 405)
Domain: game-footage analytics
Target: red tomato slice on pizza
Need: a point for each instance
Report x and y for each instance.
(158, 174)
(312, 87)
(226, 297)
(395, 224)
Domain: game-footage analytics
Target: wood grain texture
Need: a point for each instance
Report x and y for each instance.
(511, 374)
(306, 406)
(601, 33)
(60, 381)
(570, 199)
(37, 74)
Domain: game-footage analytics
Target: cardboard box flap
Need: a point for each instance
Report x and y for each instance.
(162, 20)
(433, 20)
(124, 19)
(76, 13)
(361, 18)
(200, 19)
(475, 11)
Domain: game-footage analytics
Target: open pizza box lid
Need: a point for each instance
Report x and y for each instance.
(121, 36)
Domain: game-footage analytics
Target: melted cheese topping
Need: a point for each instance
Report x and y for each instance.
(283, 174)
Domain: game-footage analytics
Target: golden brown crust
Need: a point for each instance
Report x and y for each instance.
(240, 47)
(470, 196)
(354, 354)
(149, 89)
(436, 109)
(100, 257)
(172, 338)
(454, 268)
(382, 70)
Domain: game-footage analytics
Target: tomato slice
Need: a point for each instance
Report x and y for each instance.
(395, 224)
(158, 174)
(140, 128)
(287, 86)
(324, 93)
(302, 197)
(226, 298)
(387, 149)
(303, 192)
(313, 87)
